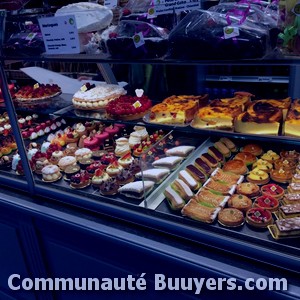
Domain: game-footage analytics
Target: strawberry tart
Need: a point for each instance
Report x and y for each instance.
(38, 92)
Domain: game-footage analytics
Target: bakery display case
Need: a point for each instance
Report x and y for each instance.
(221, 174)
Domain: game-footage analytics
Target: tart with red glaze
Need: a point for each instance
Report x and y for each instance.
(267, 202)
(37, 92)
(259, 217)
(80, 180)
(273, 190)
(128, 107)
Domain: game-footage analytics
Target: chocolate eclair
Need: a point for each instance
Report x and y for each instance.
(196, 173)
(214, 152)
(203, 166)
(211, 161)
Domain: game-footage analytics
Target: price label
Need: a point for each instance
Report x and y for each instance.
(151, 13)
(138, 40)
(264, 79)
(30, 36)
(225, 78)
(231, 32)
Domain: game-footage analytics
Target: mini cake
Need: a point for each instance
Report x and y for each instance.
(136, 189)
(223, 149)
(99, 177)
(266, 202)
(70, 149)
(5, 162)
(246, 157)
(85, 162)
(203, 166)
(122, 147)
(97, 155)
(30, 153)
(290, 155)
(113, 169)
(128, 107)
(45, 147)
(91, 169)
(83, 153)
(248, 189)
(253, 149)
(56, 156)
(229, 144)
(134, 139)
(170, 162)
(293, 188)
(109, 187)
(135, 166)
(101, 136)
(91, 143)
(70, 171)
(182, 151)
(263, 165)
(40, 163)
(80, 129)
(215, 153)
(80, 180)
(259, 217)
(124, 177)
(15, 160)
(240, 202)
(285, 164)
(141, 131)
(211, 161)
(125, 160)
(71, 136)
(66, 161)
(235, 166)
(258, 176)
(112, 130)
(51, 173)
(281, 175)
(296, 178)
(285, 228)
(272, 190)
(91, 98)
(156, 175)
(231, 217)
(289, 211)
(108, 158)
(291, 198)
(270, 156)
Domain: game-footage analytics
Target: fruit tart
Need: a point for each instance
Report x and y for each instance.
(37, 92)
(99, 177)
(281, 175)
(80, 180)
(258, 176)
(273, 190)
(266, 202)
(109, 187)
(125, 160)
(124, 177)
(128, 107)
(259, 217)
(113, 169)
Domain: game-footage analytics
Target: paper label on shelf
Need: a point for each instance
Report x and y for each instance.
(169, 6)
(225, 78)
(111, 3)
(264, 79)
(30, 36)
(137, 104)
(36, 86)
(231, 32)
(151, 13)
(138, 40)
(60, 34)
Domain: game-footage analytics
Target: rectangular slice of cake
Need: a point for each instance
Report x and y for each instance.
(291, 126)
(289, 211)
(285, 228)
(156, 175)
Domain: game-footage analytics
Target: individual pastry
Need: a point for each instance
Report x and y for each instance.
(66, 161)
(51, 173)
(125, 160)
(91, 142)
(156, 175)
(90, 126)
(253, 149)
(91, 169)
(99, 177)
(56, 156)
(85, 162)
(97, 155)
(198, 175)
(207, 197)
(112, 130)
(137, 189)
(270, 156)
(70, 171)
(80, 180)
(263, 165)
(226, 177)
(229, 144)
(80, 129)
(200, 211)
(108, 158)
(15, 160)
(223, 149)
(296, 178)
(182, 189)
(113, 169)
(109, 187)
(281, 175)
(101, 136)
(235, 166)
(134, 139)
(266, 202)
(122, 147)
(45, 146)
(231, 217)
(219, 187)
(203, 166)
(83, 153)
(5, 162)
(258, 176)
(289, 211)
(189, 180)
(215, 153)
(259, 217)
(182, 151)
(290, 155)
(248, 189)
(124, 177)
(273, 190)
(30, 153)
(70, 149)
(246, 157)
(291, 198)
(141, 131)
(240, 202)
(285, 228)
(293, 188)
(170, 162)
(173, 198)
(285, 164)
(211, 161)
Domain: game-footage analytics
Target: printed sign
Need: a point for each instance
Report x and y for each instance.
(170, 6)
(111, 3)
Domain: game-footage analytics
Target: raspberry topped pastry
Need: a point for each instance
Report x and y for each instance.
(38, 92)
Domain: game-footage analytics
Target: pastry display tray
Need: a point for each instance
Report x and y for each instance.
(257, 236)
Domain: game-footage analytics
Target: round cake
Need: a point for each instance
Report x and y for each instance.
(253, 149)
(273, 190)
(80, 180)
(235, 166)
(258, 176)
(91, 143)
(246, 157)
(248, 189)
(259, 217)
(240, 202)
(51, 173)
(83, 153)
(231, 217)
(66, 161)
(91, 97)
(267, 202)
(128, 107)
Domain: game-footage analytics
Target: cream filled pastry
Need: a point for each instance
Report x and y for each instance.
(141, 131)
(122, 147)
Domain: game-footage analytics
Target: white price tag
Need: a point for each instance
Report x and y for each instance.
(60, 34)
(151, 13)
(230, 32)
(138, 40)
(30, 36)
(111, 3)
